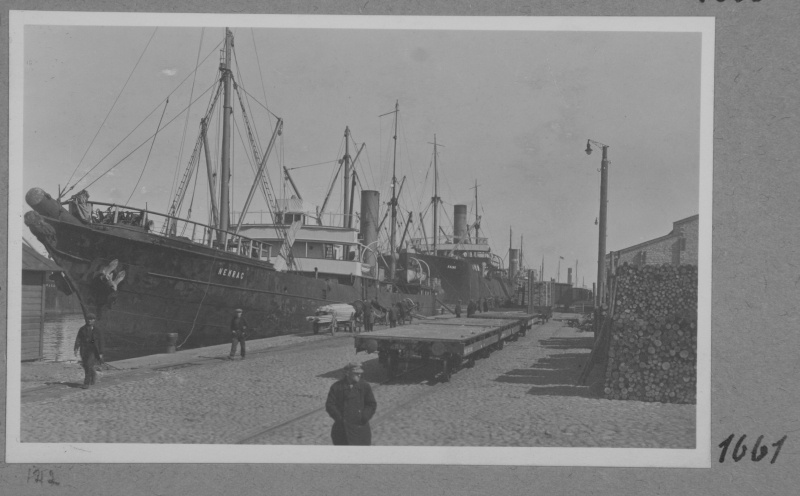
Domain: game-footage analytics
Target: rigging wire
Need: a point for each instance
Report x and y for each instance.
(312, 165)
(139, 146)
(112, 106)
(142, 121)
(146, 160)
(260, 72)
(236, 87)
(255, 99)
(186, 122)
(191, 204)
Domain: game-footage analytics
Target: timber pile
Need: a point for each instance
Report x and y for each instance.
(653, 346)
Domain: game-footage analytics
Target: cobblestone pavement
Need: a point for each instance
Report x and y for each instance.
(523, 395)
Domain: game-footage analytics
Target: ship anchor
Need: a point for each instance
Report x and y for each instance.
(106, 274)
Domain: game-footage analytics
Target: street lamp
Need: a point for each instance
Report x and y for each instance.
(601, 248)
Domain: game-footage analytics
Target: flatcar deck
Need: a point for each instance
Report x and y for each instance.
(449, 341)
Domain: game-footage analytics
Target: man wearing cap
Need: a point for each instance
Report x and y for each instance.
(238, 332)
(351, 405)
(89, 342)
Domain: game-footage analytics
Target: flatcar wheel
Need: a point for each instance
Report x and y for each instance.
(500, 344)
(447, 371)
(316, 328)
(392, 363)
(471, 362)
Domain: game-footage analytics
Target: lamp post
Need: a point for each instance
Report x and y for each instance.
(601, 248)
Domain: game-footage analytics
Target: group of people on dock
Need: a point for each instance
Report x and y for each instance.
(474, 307)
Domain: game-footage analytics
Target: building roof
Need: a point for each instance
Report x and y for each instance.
(33, 260)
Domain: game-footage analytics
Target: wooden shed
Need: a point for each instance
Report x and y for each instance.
(35, 268)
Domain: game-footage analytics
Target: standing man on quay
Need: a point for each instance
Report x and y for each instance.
(351, 405)
(458, 309)
(368, 317)
(392, 316)
(89, 342)
(238, 332)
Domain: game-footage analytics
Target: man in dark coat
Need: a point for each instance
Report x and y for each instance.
(351, 405)
(392, 316)
(368, 318)
(401, 313)
(470, 308)
(238, 332)
(89, 342)
(458, 309)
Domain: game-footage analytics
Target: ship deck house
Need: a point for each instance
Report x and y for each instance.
(323, 250)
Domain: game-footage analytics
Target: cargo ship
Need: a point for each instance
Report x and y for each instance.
(460, 264)
(159, 279)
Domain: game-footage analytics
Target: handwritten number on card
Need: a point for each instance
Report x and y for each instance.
(40, 476)
(740, 449)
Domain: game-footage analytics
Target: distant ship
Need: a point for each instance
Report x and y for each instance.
(460, 264)
(148, 275)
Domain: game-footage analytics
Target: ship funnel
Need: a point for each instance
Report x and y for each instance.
(569, 276)
(513, 262)
(459, 223)
(370, 202)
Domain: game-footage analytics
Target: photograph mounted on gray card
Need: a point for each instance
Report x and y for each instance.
(440, 240)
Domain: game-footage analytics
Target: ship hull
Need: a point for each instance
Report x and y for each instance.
(461, 279)
(176, 286)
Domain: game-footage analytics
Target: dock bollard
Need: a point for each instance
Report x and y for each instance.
(172, 339)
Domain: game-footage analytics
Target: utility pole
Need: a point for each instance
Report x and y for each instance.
(601, 245)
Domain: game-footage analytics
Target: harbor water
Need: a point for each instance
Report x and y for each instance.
(59, 337)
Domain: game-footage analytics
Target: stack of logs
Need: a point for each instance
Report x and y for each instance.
(653, 347)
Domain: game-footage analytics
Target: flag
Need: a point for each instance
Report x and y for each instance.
(562, 258)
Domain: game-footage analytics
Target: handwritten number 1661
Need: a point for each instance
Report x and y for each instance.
(740, 450)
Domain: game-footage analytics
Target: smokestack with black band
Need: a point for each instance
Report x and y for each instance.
(513, 262)
(460, 223)
(370, 202)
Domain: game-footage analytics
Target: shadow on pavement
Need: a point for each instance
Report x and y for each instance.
(556, 375)
(568, 343)
(375, 373)
(68, 384)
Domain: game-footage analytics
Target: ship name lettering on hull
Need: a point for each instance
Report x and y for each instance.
(235, 274)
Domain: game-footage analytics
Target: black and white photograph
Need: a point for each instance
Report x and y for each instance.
(442, 240)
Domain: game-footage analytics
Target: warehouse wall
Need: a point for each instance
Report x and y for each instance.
(679, 247)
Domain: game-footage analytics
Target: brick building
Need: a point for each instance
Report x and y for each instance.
(679, 247)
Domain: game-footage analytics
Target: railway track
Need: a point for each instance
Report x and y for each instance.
(408, 377)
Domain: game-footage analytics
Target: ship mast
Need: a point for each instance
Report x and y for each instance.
(392, 261)
(476, 211)
(435, 198)
(346, 181)
(225, 168)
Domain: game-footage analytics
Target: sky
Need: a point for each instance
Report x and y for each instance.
(513, 110)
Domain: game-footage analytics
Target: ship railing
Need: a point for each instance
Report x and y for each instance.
(170, 226)
(447, 240)
(262, 217)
